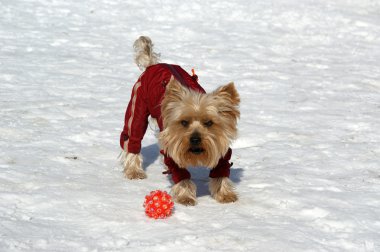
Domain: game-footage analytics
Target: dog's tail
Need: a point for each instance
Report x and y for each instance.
(144, 54)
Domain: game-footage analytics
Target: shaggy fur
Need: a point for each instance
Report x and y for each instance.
(222, 190)
(212, 116)
(144, 54)
(133, 166)
(185, 193)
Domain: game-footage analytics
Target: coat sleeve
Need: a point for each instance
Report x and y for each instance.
(222, 169)
(135, 122)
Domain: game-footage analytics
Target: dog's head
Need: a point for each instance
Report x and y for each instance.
(198, 128)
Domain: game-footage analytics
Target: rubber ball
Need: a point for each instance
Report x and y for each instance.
(158, 205)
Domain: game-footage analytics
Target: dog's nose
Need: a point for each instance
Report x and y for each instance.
(195, 139)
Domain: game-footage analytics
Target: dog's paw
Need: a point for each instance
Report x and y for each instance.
(222, 190)
(133, 166)
(134, 174)
(184, 192)
(186, 201)
(228, 197)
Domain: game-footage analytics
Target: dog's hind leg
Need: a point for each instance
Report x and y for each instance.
(132, 164)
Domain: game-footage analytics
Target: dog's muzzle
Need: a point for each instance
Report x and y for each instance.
(195, 142)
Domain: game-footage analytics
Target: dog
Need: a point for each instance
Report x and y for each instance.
(196, 128)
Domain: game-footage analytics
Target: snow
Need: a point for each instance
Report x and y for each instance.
(306, 164)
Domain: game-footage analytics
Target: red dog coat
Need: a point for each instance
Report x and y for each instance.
(145, 100)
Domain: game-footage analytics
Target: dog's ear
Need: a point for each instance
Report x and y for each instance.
(174, 90)
(228, 92)
(228, 100)
(174, 94)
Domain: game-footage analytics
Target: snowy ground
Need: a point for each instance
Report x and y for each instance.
(306, 165)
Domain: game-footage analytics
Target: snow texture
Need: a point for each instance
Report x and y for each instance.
(306, 164)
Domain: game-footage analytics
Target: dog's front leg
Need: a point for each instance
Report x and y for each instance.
(184, 192)
(222, 190)
(132, 164)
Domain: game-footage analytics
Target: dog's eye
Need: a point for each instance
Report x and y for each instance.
(208, 123)
(185, 123)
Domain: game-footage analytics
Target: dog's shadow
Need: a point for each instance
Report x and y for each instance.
(150, 154)
(199, 175)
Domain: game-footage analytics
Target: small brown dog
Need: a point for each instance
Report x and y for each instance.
(196, 129)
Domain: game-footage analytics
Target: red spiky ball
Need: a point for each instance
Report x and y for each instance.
(158, 205)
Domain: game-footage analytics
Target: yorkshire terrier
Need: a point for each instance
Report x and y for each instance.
(196, 129)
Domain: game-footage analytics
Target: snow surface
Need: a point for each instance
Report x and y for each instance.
(306, 165)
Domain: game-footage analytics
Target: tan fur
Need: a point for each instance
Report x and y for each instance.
(144, 54)
(184, 192)
(220, 107)
(222, 190)
(132, 164)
